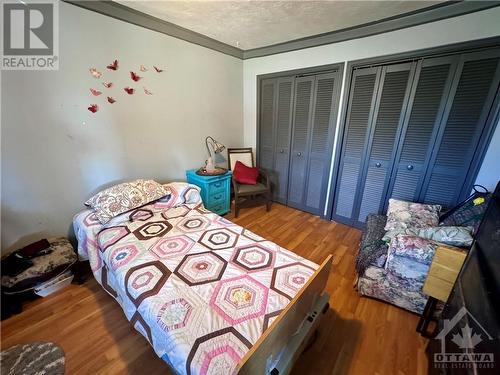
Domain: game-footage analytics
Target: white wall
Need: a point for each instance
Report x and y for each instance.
(472, 26)
(55, 153)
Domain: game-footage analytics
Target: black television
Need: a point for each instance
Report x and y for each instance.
(468, 338)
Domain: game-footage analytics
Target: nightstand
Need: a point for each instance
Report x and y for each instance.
(215, 190)
(445, 267)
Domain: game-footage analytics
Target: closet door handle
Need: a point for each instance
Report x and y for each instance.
(378, 164)
(299, 153)
(409, 167)
(282, 151)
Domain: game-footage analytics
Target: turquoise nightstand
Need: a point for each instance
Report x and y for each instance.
(215, 190)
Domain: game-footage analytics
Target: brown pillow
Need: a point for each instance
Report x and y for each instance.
(124, 197)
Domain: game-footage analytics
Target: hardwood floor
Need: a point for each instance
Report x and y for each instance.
(358, 335)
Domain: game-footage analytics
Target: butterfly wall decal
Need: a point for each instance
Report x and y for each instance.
(111, 100)
(147, 92)
(95, 92)
(143, 68)
(129, 90)
(108, 85)
(113, 65)
(95, 73)
(93, 108)
(134, 77)
(158, 70)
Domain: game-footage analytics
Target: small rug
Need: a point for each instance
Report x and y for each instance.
(33, 358)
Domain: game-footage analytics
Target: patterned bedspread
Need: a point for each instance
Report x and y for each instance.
(198, 287)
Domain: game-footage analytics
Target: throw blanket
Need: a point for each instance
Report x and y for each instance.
(372, 250)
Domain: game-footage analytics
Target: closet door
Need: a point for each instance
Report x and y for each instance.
(359, 116)
(392, 99)
(325, 109)
(283, 135)
(474, 87)
(433, 80)
(300, 140)
(267, 123)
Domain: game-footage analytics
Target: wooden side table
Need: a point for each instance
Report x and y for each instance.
(443, 273)
(215, 190)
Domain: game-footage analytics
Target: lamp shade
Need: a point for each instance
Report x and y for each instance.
(218, 147)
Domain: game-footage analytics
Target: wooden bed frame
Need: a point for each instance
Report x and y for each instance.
(280, 345)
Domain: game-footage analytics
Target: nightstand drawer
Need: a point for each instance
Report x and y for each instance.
(216, 198)
(216, 187)
(443, 271)
(438, 288)
(219, 209)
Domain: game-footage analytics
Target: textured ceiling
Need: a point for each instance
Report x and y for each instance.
(253, 24)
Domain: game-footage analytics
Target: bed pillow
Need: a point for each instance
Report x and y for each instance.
(453, 236)
(124, 197)
(402, 215)
(245, 175)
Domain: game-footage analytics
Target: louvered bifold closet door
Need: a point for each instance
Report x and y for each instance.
(300, 140)
(283, 135)
(431, 86)
(325, 108)
(474, 87)
(392, 99)
(359, 115)
(267, 123)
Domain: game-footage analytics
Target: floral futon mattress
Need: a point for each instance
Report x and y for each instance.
(198, 287)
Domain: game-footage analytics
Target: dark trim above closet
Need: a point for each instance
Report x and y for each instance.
(414, 60)
(302, 106)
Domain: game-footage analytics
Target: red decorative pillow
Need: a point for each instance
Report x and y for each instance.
(245, 175)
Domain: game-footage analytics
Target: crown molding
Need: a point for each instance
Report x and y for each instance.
(430, 14)
(124, 13)
(418, 17)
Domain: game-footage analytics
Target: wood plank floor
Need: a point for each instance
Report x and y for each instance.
(358, 335)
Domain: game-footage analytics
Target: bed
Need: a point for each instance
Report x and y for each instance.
(209, 296)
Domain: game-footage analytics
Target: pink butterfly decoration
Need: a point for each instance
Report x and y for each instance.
(93, 108)
(134, 77)
(108, 85)
(143, 68)
(95, 73)
(111, 99)
(113, 65)
(158, 70)
(95, 92)
(147, 92)
(129, 90)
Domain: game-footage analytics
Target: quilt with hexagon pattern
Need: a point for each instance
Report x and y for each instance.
(198, 287)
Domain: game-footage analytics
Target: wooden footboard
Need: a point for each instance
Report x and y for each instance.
(295, 321)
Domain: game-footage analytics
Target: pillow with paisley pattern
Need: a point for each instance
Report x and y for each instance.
(124, 197)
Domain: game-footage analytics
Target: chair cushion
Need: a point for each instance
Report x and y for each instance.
(402, 215)
(245, 175)
(408, 261)
(257, 188)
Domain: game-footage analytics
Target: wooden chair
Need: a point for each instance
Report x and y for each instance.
(263, 187)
